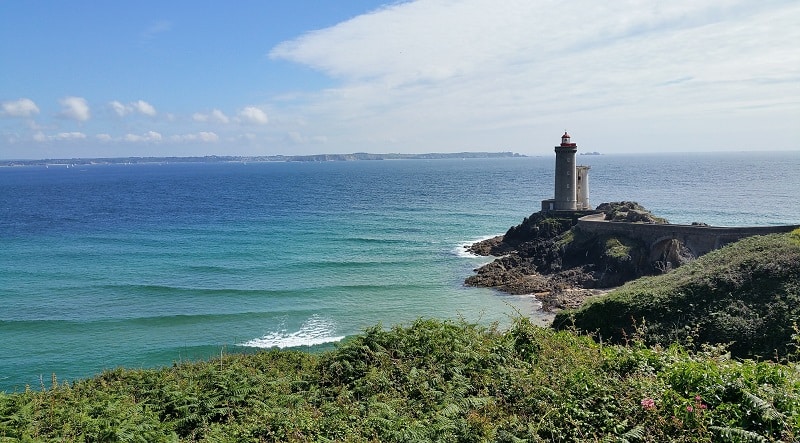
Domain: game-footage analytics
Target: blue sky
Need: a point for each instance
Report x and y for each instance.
(144, 78)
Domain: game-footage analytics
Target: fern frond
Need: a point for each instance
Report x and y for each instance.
(451, 410)
(635, 434)
(762, 406)
(739, 435)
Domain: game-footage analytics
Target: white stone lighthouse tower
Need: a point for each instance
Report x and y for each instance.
(566, 183)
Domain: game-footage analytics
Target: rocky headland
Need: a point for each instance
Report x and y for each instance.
(562, 266)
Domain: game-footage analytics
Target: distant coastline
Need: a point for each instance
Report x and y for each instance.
(248, 159)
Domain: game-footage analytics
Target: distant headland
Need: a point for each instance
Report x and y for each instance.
(254, 159)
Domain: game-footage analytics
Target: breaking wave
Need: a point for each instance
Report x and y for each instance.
(316, 330)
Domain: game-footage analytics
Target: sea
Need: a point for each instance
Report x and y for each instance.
(147, 265)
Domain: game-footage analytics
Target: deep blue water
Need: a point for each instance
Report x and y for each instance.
(143, 265)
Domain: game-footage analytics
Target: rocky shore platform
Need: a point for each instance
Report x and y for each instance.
(548, 257)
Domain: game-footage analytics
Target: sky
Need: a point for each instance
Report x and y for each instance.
(185, 78)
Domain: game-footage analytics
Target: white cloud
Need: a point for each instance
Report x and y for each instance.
(478, 73)
(61, 136)
(253, 115)
(103, 137)
(119, 108)
(215, 116)
(148, 137)
(208, 136)
(23, 107)
(75, 108)
(144, 108)
(70, 136)
(205, 137)
(139, 106)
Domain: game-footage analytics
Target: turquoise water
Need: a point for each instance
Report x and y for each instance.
(144, 265)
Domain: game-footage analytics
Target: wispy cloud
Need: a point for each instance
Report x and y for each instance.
(154, 29)
(147, 137)
(153, 137)
(202, 136)
(215, 116)
(139, 106)
(61, 136)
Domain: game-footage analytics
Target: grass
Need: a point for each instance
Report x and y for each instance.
(616, 249)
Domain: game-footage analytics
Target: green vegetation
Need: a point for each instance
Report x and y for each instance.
(616, 249)
(746, 294)
(629, 212)
(565, 238)
(539, 226)
(794, 236)
(431, 381)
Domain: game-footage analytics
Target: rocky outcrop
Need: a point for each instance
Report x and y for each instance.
(631, 212)
(547, 256)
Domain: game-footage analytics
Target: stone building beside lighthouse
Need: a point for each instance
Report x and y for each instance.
(571, 180)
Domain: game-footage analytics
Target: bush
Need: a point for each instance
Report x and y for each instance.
(430, 381)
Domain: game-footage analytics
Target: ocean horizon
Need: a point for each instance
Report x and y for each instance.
(143, 265)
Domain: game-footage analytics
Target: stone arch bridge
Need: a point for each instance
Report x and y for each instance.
(699, 239)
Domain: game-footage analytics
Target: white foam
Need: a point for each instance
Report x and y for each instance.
(462, 251)
(314, 331)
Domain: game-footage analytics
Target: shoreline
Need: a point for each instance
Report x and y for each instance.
(360, 156)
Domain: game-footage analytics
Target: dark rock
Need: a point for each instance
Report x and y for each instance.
(492, 246)
(548, 256)
(631, 212)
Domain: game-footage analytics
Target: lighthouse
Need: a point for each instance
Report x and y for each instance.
(571, 180)
(566, 183)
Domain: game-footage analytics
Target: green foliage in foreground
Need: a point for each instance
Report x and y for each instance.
(746, 294)
(431, 381)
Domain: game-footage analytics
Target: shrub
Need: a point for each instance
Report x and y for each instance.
(430, 381)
